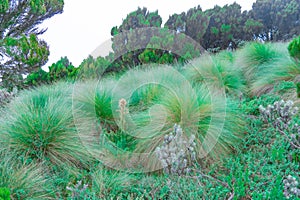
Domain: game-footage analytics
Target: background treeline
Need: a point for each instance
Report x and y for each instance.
(215, 29)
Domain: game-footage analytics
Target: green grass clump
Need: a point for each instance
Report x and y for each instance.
(38, 125)
(92, 99)
(25, 181)
(283, 69)
(196, 109)
(265, 65)
(253, 56)
(4, 194)
(110, 183)
(216, 71)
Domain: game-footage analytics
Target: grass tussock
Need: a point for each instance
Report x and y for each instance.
(24, 181)
(198, 110)
(39, 125)
(265, 65)
(217, 72)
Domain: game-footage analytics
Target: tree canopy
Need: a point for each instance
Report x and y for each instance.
(21, 51)
(280, 18)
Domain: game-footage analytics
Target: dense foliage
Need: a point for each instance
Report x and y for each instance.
(215, 29)
(294, 48)
(21, 51)
(61, 70)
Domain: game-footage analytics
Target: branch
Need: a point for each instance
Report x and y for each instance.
(297, 146)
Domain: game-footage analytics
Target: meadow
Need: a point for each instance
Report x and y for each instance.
(222, 126)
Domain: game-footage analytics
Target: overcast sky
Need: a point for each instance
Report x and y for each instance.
(84, 25)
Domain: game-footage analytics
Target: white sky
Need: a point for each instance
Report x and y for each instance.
(84, 25)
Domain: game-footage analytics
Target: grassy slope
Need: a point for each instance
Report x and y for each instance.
(250, 160)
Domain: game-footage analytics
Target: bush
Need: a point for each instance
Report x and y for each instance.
(281, 115)
(91, 68)
(37, 78)
(294, 48)
(61, 70)
(177, 154)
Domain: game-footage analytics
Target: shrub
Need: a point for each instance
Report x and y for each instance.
(37, 78)
(291, 187)
(91, 68)
(294, 48)
(177, 155)
(281, 116)
(78, 191)
(61, 70)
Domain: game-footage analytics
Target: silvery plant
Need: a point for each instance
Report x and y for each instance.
(6, 96)
(280, 115)
(177, 153)
(291, 189)
(78, 190)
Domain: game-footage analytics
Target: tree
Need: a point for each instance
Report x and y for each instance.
(225, 27)
(196, 23)
(128, 45)
(177, 22)
(21, 51)
(251, 28)
(193, 23)
(92, 68)
(62, 69)
(280, 18)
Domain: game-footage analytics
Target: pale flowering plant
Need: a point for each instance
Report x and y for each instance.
(78, 191)
(291, 187)
(281, 115)
(177, 153)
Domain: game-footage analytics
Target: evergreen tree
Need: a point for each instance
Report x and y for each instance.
(21, 51)
(280, 18)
